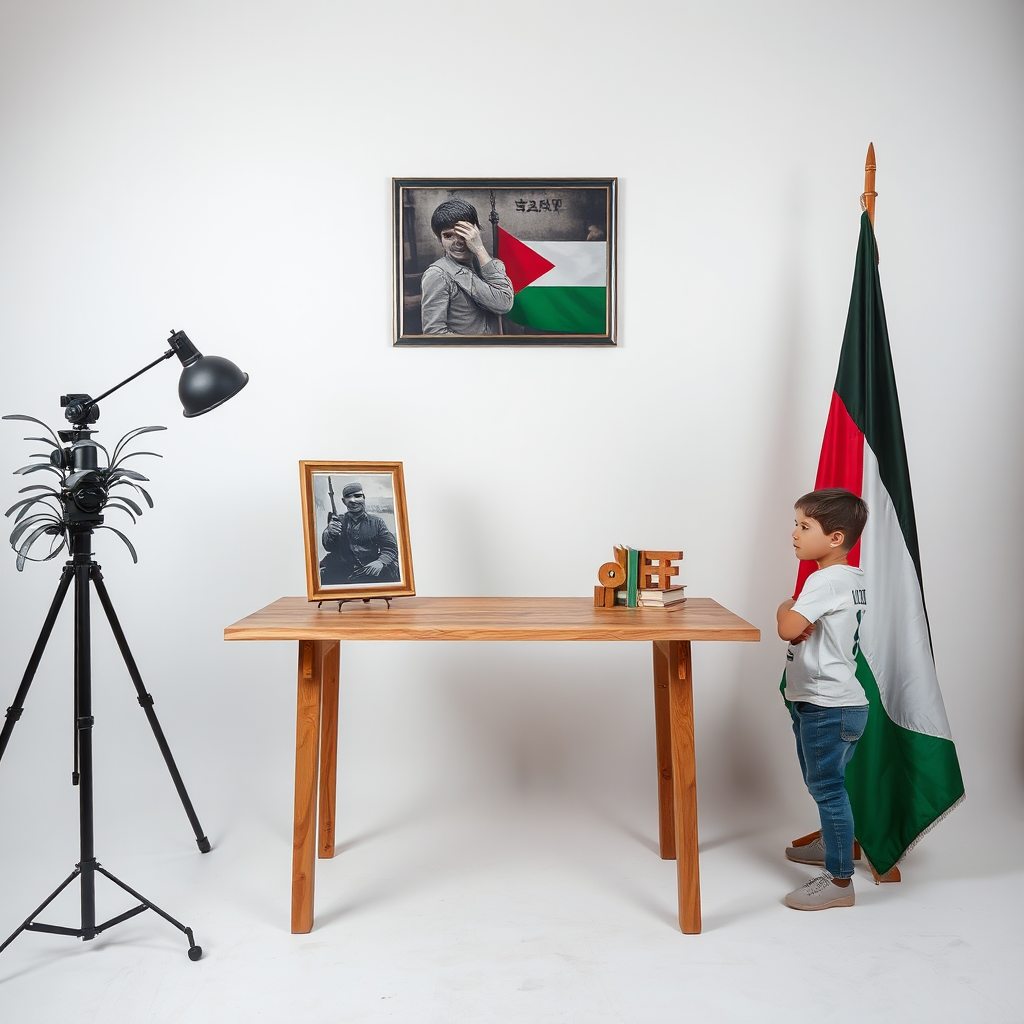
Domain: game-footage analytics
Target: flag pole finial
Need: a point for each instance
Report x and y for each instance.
(867, 199)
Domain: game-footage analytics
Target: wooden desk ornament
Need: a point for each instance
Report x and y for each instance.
(639, 579)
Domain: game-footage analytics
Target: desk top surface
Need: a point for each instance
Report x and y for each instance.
(490, 618)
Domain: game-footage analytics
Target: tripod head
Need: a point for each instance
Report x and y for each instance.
(80, 410)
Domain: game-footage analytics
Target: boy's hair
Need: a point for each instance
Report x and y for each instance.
(450, 212)
(835, 508)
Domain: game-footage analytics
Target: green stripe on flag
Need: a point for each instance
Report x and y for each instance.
(900, 782)
(866, 382)
(570, 310)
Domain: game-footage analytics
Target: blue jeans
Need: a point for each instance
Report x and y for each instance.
(825, 741)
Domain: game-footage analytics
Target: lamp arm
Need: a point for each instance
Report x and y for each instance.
(76, 412)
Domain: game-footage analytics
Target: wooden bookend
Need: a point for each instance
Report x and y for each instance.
(657, 570)
(598, 597)
(611, 574)
(609, 597)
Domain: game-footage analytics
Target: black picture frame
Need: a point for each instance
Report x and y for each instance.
(555, 239)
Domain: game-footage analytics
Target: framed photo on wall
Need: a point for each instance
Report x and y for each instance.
(356, 530)
(504, 261)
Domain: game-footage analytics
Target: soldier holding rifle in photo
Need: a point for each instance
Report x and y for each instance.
(360, 547)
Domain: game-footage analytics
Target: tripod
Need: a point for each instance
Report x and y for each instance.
(85, 573)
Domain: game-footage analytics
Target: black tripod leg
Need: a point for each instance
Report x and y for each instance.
(27, 924)
(194, 951)
(15, 710)
(146, 702)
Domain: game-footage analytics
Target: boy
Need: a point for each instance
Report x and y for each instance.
(826, 701)
(465, 291)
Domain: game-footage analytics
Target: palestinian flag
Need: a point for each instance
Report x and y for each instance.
(904, 776)
(559, 286)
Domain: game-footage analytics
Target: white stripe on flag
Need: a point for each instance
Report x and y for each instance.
(894, 634)
(576, 264)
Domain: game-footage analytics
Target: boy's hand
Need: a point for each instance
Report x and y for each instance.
(803, 636)
(470, 234)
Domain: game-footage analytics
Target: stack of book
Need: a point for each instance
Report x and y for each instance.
(669, 598)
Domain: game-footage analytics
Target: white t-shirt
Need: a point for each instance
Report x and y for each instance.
(822, 670)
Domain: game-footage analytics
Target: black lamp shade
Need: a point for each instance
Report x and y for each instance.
(207, 382)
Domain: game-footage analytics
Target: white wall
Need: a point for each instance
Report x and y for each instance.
(225, 169)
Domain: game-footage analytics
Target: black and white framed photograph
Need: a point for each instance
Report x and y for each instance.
(356, 530)
(504, 261)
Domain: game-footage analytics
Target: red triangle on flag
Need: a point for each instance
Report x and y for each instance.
(522, 264)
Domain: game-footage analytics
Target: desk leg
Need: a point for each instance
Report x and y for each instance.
(684, 779)
(307, 757)
(663, 747)
(331, 657)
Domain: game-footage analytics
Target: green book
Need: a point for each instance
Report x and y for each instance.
(632, 576)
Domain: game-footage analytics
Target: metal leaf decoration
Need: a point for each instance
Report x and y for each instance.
(119, 447)
(127, 501)
(112, 503)
(52, 511)
(32, 538)
(118, 474)
(32, 419)
(27, 524)
(135, 557)
(24, 501)
(141, 490)
(45, 503)
(131, 455)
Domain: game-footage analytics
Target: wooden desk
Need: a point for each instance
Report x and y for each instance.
(319, 631)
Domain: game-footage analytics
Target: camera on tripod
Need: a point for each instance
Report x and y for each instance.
(84, 491)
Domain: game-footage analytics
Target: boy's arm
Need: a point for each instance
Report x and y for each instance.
(492, 290)
(434, 302)
(792, 625)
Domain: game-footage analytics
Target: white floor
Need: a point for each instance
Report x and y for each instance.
(521, 911)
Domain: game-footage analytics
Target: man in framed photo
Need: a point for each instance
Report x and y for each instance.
(360, 547)
(466, 291)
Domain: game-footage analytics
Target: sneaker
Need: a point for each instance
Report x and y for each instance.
(810, 853)
(819, 894)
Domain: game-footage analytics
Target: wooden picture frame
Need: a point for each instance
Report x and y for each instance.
(370, 554)
(550, 244)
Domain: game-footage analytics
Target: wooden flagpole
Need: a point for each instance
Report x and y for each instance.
(867, 199)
